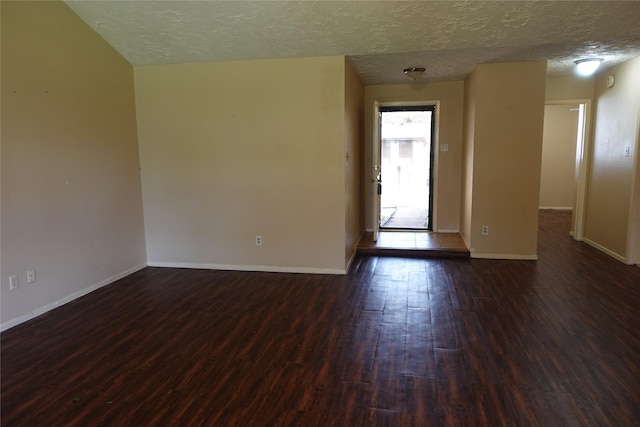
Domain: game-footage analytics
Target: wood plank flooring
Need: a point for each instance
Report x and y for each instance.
(396, 342)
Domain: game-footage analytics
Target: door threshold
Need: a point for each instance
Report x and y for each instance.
(424, 244)
(405, 230)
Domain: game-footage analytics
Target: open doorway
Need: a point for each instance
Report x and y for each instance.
(558, 183)
(564, 167)
(406, 165)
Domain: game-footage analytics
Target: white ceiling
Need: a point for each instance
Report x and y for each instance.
(381, 38)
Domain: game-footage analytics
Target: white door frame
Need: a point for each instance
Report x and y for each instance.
(375, 171)
(583, 150)
(376, 160)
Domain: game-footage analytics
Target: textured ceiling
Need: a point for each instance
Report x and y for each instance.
(381, 38)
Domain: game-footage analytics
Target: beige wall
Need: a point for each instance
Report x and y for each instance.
(569, 87)
(508, 107)
(234, 150)
(450, 95)
(558, 180)
(71, 200)
(610, 209)
(353, 159)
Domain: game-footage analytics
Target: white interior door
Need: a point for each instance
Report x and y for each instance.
(375, 172)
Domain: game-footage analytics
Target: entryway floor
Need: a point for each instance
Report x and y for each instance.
(417, 244)
(405, 217)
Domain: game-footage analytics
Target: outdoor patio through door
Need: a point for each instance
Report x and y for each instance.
(406, 150)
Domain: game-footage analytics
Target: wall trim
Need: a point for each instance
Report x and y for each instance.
(606, 251)
(354, 252)
(583, 150)
(82, 292)
(350, 261)
(503, 256)
(257, 268)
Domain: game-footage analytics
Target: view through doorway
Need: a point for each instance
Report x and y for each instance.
(406, 135)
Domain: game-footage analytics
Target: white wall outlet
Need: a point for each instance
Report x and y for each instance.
(444, 147)
(258, 240)
(31, 276)
(13, 282)
(485, 230)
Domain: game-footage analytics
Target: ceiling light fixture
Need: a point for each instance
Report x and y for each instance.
(414, 73)
(586, 67)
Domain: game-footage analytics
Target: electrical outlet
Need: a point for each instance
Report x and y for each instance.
(13, 282)
(31, 276)
(485, 230)
(258, 240)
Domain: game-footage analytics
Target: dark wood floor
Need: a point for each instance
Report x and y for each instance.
(396, 342)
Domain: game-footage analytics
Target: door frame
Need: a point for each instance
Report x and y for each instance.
(583, 150)
(376, 159)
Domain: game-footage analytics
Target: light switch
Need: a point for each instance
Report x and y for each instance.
(627, 151)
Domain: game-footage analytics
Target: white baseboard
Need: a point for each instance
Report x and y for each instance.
(354, 251)
(263, 268)
(474, 254)
(350, 262)
(447, 231)
(606, 251)
(41, 310)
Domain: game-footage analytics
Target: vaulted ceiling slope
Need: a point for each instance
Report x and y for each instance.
(381, 38)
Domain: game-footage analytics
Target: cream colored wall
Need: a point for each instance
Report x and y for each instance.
(507, 147)
(71, 198)
(450, 95)
(353, 159)
(610, 199)
(1, 238)
(233, 150)
(569, 87)
(558, 180)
